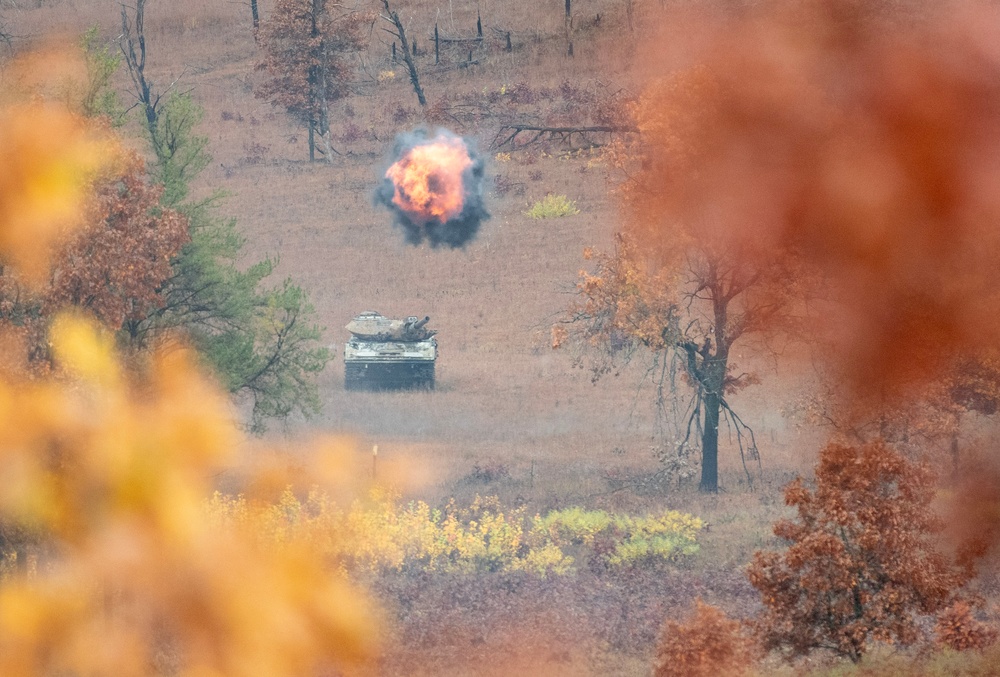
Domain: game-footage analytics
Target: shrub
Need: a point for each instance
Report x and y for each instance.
(624, 539)
(708, 644)
(958, 630)
(552, 207)
(380, 534)
(860, 564)
(489, 472)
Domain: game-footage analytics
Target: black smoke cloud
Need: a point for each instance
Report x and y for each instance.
(455, 232)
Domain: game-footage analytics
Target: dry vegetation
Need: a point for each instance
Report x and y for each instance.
(510, 417)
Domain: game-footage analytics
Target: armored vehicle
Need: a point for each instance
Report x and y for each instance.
(386, 354)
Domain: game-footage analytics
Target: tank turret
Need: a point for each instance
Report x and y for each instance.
(385, 353)
(374, 326)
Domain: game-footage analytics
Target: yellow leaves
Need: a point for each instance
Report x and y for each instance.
(46, 155)
(379, 534)
(83, 350)
(106, 475)
(552, 207)
(124, 494)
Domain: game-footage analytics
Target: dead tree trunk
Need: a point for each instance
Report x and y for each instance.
(393, 18)
(133, 48)
(569, 28)
(318, 95)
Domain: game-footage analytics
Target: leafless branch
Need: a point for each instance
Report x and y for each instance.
(393, 18)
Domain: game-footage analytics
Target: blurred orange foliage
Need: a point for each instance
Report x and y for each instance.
(865, 144)
(47, 155)
(110, 472)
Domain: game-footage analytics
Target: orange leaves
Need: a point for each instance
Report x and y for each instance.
(304, 43)
(708, 644)
(113, 265)
(860, 564)
(116, 474)
(108, 475)
(623, 301)
(559, 336)
(864, 145)
(958, 630)
(79, 222)
(46, 156)
(116, 265)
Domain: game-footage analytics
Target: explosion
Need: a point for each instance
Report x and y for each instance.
(434, 188)
(428, 180)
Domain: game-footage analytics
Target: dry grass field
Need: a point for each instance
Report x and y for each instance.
(503, 396)
(505, 401)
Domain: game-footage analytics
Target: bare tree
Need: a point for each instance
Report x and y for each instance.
(133, 47)
(686, 320)
(400, 34)
(5, 34)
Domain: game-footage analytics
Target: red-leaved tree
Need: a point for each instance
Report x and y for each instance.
(116, 265)
(113, 267)
(304, 45)
(861, 563)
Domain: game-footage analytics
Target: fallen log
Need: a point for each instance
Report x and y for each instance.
(509, 133)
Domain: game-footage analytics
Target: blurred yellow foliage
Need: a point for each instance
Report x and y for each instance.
(104, 477)
(47, 153)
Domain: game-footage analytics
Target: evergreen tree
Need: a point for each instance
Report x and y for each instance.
(261, 341)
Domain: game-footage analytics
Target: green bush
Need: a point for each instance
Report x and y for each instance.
(552, 207)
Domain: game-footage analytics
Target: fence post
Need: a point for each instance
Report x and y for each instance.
(437, 55)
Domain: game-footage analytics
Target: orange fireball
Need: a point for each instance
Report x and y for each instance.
(428, 180)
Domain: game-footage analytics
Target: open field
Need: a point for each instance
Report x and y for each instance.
(503, 394)
(505, 401)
